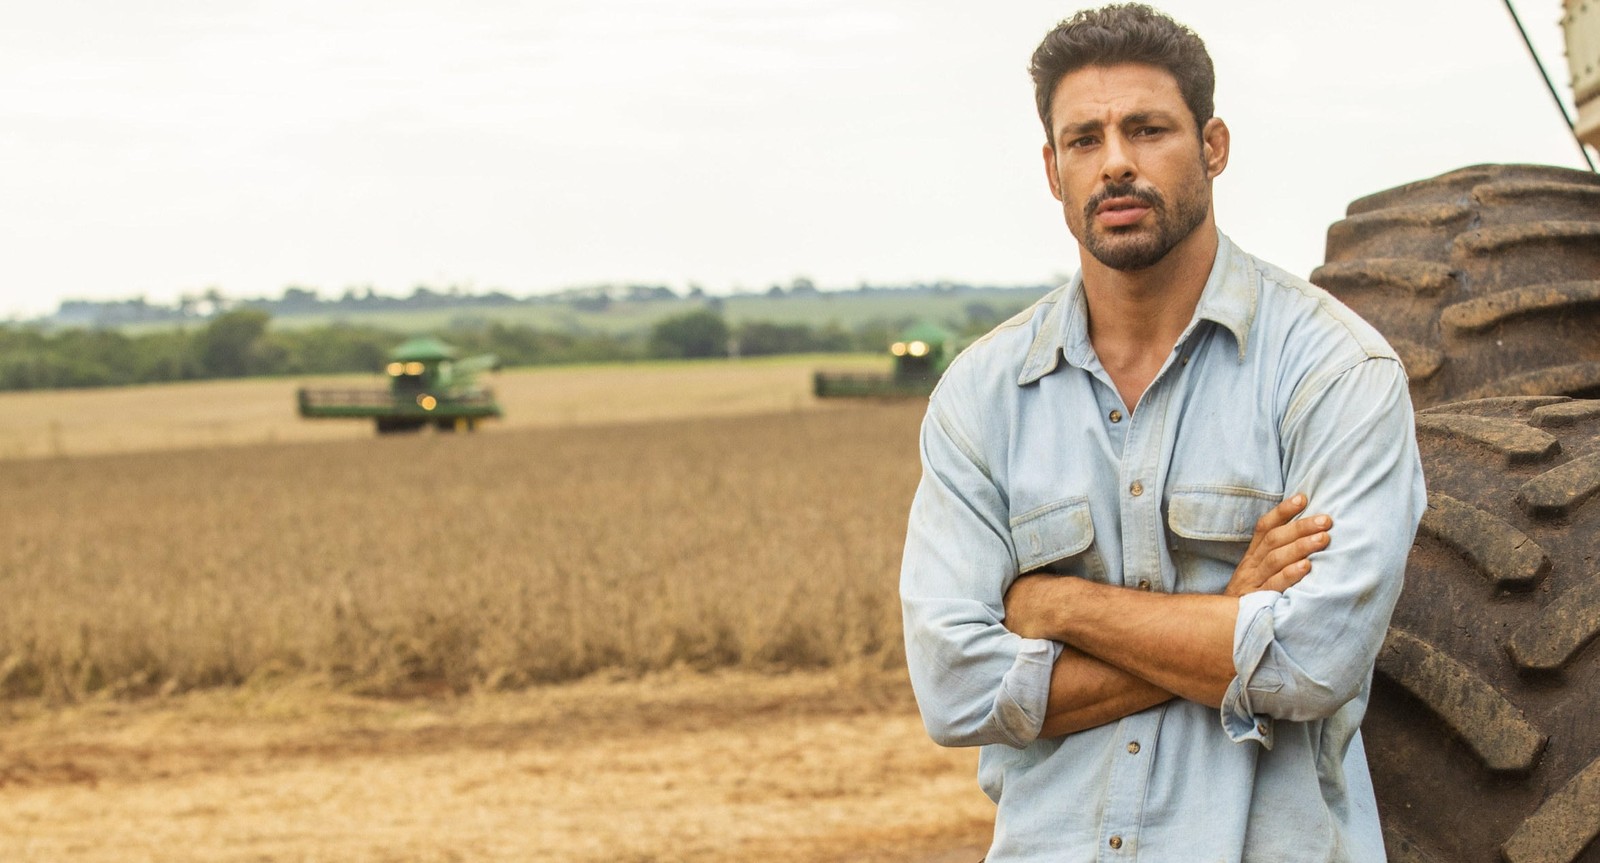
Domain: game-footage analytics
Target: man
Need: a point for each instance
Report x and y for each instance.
(1106, 584)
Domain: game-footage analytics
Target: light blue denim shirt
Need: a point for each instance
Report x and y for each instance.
(1031, 462)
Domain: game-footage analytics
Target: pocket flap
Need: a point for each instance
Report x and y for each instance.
(1218, 513)
(1052, 532)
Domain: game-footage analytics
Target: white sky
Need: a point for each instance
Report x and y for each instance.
(167, 146)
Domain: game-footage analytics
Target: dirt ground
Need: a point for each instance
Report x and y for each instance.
(797, 768)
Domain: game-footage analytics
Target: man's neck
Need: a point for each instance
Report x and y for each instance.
(1136, 317)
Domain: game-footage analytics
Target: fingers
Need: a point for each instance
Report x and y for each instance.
(1279, 553)
(1283, 544)
(1290, 563)
(1297, 547)
(1288, 533)
(1288, 577)
(1280, 515)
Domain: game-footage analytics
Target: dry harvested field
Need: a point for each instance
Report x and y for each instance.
(720, 768)
(262, 410)
(647, 639)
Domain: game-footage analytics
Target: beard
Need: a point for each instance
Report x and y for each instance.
(1136, 247)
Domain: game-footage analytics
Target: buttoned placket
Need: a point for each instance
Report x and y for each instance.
(1137, 440)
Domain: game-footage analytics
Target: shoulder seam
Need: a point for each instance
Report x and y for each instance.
(1019, 319)
(1318, 385)
(958, 436)
(1327, 304)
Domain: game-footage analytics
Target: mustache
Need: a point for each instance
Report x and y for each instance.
(1149, 197)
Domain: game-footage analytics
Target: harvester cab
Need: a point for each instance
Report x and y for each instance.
(428, 385)
(920, 356)
(423, 365)
(922, 353)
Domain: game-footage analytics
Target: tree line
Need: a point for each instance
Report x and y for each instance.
(300, 301)
(242, 343)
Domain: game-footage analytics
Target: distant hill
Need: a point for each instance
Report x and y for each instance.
(89, 344)
(616, 311)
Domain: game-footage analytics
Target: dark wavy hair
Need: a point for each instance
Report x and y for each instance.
(1124, 33)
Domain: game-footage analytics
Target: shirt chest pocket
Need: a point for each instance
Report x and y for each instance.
(1057, 538)
(1209, 530)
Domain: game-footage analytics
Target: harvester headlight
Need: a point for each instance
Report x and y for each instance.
(427, 402)
(395, 369)
(918, 349)
(413, 368)
(898, 349)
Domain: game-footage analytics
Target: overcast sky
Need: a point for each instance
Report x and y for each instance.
(168, 146)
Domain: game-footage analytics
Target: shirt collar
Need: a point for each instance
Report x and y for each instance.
(1229, 299)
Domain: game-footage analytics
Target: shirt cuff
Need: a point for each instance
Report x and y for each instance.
(1253, 633)
(1025, 691)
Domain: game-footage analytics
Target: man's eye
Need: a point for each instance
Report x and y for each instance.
(1147, 131)
(1085, 141)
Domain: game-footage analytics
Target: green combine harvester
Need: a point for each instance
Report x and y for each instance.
(920, 357)
(428, 385)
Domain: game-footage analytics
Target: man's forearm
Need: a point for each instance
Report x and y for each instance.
(1180, 643)
(1086, 692)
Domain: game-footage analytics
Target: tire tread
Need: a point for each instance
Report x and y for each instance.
(1496, 731)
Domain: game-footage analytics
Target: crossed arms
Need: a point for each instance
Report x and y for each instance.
(1128, 650)
(997, 658)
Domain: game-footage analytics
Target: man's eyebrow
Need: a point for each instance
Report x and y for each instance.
(1141, 117)
(1072, 130)
(1137, 118)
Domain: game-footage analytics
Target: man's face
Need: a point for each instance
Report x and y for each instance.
(1132, 172)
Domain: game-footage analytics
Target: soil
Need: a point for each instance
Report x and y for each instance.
(793, 768)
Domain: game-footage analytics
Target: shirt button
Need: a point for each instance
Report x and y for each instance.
(1184, 361)
(1116, 416)
(1144, 584)
(1116, 842)
(1133, 748)
(1261, 728)
(1136, 489)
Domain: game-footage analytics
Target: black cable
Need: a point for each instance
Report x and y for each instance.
(1553, 94)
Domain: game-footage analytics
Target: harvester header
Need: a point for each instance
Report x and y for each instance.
(428, 385)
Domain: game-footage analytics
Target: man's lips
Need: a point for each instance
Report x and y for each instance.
(1117, 212)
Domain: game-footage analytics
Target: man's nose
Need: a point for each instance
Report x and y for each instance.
(1118, 166)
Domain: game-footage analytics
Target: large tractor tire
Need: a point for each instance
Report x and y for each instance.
(1483, 732)
(1485, 279)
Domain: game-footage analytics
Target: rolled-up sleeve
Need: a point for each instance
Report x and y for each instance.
(976, 682)
(1349, 443)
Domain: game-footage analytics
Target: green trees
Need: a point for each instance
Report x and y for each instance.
(231, 345)
(243, 342)
(31, 359)
(700, 333)
(760, 338)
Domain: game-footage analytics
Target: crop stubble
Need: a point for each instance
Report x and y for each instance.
(591, 571)
(392, 566)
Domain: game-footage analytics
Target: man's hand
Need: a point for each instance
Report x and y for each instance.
(1280, 552)
(1278, 557)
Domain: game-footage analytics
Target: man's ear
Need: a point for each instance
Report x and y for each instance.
(1214, 150)
(1050, 171)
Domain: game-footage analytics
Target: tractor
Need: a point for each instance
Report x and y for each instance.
(428, 385)
(920, 355)
(1482, 729)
